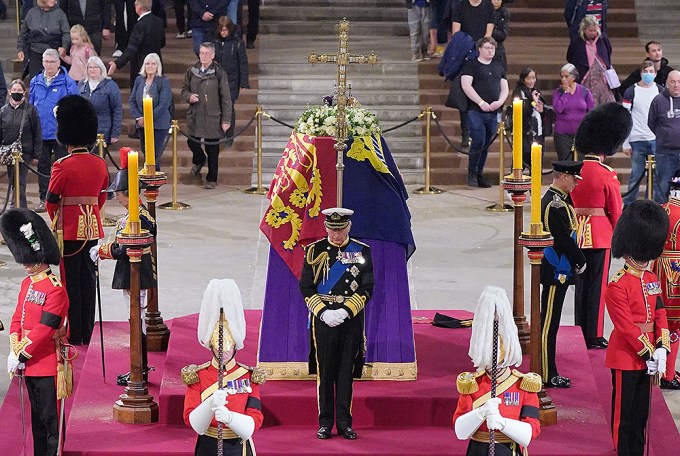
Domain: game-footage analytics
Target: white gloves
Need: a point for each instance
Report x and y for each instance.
(490, 407)
(218, 399)
(223, 415)
(581, 269)
(13, 364)
(94, 253)
(660, 357)
(652, 367)
(334, 317)
(496, 422)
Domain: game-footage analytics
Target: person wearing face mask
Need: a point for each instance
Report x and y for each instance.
(664, 122)
(641, 142)
(19, 120)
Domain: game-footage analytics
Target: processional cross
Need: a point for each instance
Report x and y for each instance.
(343, 59)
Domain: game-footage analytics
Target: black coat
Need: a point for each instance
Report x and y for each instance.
(230, 53)
(147, 270)
(559, 219)
(148, 36)
(31, 138)
(97, 14)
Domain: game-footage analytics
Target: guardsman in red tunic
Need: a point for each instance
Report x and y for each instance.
(74, 199)
(640, 343)
(41, 311)
(235, 404)
(667, 269)
(513, 413)
(598, 205)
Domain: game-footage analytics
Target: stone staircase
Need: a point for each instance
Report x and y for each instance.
(290, 29)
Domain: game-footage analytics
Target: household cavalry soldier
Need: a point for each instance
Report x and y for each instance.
(37, 327)
(513, 413)
(561, 262)
(235, 401)
(640, 341)
(74, 198)
(112, 250)
(598, 204)
(336, 282)
(667, 269)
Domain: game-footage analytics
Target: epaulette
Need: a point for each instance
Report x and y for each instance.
(466, 382)
(257, 375)
(557, 202)
(189, 373)
(62, 158)
(359, 242)
(609, 168)
(55, 280)
(314, 243)
(531, 381)
(146, 214)
(618, 276)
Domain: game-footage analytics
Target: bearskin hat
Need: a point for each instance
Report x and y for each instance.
(641, 231)
(603, 130)
(76, 121)
(28, 237)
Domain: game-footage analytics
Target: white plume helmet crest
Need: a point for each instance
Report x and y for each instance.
(221, 293)
(494, 300)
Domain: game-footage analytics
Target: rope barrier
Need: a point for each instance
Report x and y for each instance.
(36, 172)
(279, 121)
(222, 140)
(9, 192)
(403, 124)
(635, 186)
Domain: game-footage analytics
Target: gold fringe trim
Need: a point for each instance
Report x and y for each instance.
(64, 381)
(374, 371)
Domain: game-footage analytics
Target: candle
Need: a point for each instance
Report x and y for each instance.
(150, 150)
(536, 175)
(133, 189)
(517, 134)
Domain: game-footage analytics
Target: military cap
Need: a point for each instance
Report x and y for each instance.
(28, 237)
(337, 218)
(568, 167)
(641, 231)
(76, 121)
(603, 130)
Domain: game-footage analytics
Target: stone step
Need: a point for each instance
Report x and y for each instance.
(393, 13)
(324, 85)
(384, 112)
(301, 68)
(366, 98)
(358, 28)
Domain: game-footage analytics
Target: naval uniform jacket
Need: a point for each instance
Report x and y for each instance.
(41, 310)
(519, 401)
(76, 195)
(113, 250)
(598, 204)
(559, 218)
(242, 383)
(337, 277)
(633, 299)
(667, 266)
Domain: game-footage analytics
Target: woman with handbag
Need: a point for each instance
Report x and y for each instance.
(533, 107)
(19, 123)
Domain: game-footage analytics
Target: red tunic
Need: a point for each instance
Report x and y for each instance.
(633, 299)
(598, 204)
(516, 403)
(77, 184)
(241, 402)
(41, 309)
(667, 267)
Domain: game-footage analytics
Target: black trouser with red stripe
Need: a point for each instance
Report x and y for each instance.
(589, 299)
(552, 300)
(630, 410)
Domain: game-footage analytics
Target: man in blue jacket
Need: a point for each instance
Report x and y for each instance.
(47, 88)
(203, 19)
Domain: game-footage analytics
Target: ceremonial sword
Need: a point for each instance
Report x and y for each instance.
(20, 377)
(101, 326)
(220, 374)
(494, 378)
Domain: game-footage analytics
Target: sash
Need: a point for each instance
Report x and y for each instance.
(337, 270)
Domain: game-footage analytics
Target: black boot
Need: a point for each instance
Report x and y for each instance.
(482, 182)
(472, 180)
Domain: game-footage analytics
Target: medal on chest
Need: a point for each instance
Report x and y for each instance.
(653, 288)
(35, 296)
(350, 257)
(511, 399)
(238, 386)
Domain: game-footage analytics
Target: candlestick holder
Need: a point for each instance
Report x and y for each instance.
(536, 241)
(157, 332)
(135, 406)
(518, 185)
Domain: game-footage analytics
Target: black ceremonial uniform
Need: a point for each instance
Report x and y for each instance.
(557, 270)
(336, 278)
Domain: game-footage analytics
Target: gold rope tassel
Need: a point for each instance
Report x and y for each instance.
(64, 381)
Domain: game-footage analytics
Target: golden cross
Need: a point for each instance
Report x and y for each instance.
(343, 59)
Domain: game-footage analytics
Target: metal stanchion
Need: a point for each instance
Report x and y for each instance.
(650, 166)
(101, 144)
(16, 162)
(259, 189)
(427, 189)
(18, 19)
(174, 205)
(500, 206)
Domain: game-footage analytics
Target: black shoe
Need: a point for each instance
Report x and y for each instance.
(196, 169)
(558, 382)
(482, 182)
(348, 433)
(672, 385)
(323, 433)
(472, 180)
(123, 379)
(597, 343)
